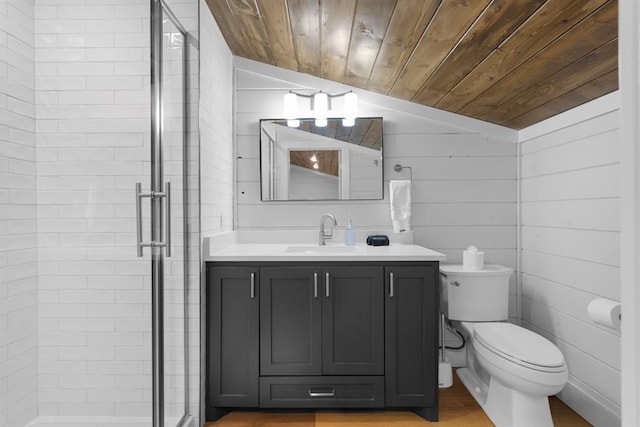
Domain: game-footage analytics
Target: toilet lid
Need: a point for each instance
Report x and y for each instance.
(519, 345)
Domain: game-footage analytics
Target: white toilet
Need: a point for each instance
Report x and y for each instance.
(510, 370)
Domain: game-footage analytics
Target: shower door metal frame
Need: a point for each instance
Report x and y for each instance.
(157, 194)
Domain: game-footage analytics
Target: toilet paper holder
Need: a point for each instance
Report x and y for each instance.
(605, 312)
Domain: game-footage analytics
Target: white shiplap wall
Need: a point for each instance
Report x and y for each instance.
(571, 249)
(18, 243)
(216, 128)
(464, 176)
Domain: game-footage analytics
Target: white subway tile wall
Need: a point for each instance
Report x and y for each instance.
(95, 294)
(92, 98)
(18, 222)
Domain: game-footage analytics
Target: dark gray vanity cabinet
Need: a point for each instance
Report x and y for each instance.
(323, 335)
(321, 321)
(411, 334)
(290, 321)
(353, 320)
(233, 336)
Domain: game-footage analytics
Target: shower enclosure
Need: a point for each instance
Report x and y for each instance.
(117, 211)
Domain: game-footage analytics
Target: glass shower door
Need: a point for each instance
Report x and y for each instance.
(168, 232)
(176, 275)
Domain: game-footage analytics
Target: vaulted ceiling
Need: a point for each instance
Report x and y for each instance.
(509, 62)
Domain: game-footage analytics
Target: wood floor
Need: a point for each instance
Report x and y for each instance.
(457, 409)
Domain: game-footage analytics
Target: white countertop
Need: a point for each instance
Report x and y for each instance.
(314, 252)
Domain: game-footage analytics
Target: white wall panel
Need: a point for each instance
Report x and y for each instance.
(570, 215)
(216, 125)
(593, 183)
(576, 214)
(595, 278)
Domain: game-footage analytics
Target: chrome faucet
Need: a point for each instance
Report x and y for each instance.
(322, 236)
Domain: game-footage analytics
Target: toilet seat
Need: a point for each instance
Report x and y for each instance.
(520, 346)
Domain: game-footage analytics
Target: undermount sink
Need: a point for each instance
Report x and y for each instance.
(319, 249)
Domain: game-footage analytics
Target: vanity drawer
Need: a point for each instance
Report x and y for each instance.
(322, 392)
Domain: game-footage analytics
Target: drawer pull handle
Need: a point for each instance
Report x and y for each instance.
(325, 393)
(391, 285)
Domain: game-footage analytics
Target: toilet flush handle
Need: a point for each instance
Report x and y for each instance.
(455, 283)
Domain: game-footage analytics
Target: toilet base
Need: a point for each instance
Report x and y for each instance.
(504, 406)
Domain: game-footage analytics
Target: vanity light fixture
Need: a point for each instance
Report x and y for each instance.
(321, 107)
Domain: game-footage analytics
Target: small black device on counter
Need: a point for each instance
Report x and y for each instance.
(378, 240)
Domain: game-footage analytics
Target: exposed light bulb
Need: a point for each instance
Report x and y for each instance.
(314, 158)
(321, 123)
(293, 123)
(315, 166)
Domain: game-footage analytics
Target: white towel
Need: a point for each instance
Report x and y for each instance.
(400, 192)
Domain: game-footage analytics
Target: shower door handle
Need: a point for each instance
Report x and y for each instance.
(167, 218)
(167, 199)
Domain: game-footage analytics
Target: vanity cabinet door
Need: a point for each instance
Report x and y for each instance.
(411, 334)
(233, 329)
(353, 320)
(290, 321)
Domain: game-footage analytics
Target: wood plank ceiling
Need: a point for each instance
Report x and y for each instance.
(509, 62)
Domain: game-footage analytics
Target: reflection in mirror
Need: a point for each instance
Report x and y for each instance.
(321, 163)
(315, 169)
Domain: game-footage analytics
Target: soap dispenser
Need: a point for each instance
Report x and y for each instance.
(349, 233)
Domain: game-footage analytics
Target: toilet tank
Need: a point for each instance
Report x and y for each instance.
(475, 295)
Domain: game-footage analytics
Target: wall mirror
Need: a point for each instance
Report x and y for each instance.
(333, 162)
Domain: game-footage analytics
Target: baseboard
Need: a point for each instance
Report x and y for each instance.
(593, 407)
